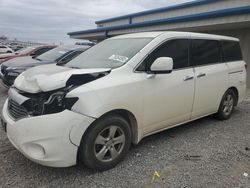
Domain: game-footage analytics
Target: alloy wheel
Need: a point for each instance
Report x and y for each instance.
(109, 143)
(228, 104)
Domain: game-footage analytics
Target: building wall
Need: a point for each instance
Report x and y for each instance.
(114, 23)
(218, 5)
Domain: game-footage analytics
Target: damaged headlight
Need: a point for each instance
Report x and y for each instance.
(57, 102)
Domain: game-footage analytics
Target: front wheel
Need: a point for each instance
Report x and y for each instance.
(105, 143)
(226, 106)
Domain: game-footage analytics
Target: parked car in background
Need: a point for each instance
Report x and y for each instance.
(28, 51)
(10, 69)
(5, 49)
(18, 47)
(120, 91)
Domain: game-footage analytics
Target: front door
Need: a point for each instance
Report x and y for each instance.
(168, 98)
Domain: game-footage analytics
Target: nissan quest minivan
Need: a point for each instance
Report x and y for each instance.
(119, 91)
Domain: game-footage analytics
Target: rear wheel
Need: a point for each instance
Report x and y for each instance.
(227, 105)
(105, 143)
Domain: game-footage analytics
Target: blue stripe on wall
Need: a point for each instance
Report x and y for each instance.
(193, 17)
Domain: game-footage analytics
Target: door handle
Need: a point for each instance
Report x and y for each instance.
(188, 78)
(201, 75)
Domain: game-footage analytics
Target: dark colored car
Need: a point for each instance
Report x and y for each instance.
(28, 51)
(60, 55)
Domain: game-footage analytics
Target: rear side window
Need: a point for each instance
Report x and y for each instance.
(204, 52)
(177, 49)
(231, 51)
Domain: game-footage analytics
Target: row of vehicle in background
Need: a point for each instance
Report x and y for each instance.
(28, 51)
(62, 54)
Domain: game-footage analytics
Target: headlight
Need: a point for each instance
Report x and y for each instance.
(57, 102)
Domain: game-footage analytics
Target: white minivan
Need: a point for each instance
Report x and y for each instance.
(120, 91)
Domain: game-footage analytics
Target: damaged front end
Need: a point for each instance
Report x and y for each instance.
(23, 104)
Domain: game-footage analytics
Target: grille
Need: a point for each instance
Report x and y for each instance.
(16, 111)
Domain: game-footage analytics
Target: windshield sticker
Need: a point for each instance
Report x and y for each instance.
(119, 58)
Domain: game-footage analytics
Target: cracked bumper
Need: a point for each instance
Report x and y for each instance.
(50, 140)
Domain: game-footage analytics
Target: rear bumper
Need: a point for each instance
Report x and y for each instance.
(50, 140)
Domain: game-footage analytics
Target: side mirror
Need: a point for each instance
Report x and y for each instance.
(162, 65)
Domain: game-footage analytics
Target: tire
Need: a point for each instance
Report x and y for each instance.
(9, 52)
(227, 104)
(100, 148)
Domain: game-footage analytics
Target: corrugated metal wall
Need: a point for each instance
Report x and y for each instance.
(193, 10)
(219, 5)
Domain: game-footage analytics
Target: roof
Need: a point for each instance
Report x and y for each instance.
(159, 10)
(140, 35)
(192, 17)
(174, 34)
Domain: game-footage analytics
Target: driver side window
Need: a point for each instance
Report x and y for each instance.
(177, 49)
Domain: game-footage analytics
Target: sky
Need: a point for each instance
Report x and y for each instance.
(49, 21)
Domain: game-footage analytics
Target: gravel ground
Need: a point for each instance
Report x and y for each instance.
(204, 153)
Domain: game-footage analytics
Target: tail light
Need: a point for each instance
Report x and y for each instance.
(246, 66)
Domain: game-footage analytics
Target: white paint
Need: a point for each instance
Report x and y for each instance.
(157, 102)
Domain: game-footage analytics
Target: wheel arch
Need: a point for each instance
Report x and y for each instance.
(128, 116)
(235, 90)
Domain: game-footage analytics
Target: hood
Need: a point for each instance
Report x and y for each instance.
(26, 61)
(50, 77)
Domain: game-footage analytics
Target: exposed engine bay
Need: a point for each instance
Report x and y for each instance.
(22, 104)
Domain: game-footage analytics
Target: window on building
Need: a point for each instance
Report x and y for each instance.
(204, 52)
(231, 51)
(177, 49)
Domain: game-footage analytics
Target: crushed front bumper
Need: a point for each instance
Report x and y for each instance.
(50, 140)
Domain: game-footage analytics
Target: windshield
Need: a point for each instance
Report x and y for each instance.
(109, 53)
(24, 51)
(53, 54)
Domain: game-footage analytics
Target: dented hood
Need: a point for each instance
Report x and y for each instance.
(49, 77)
